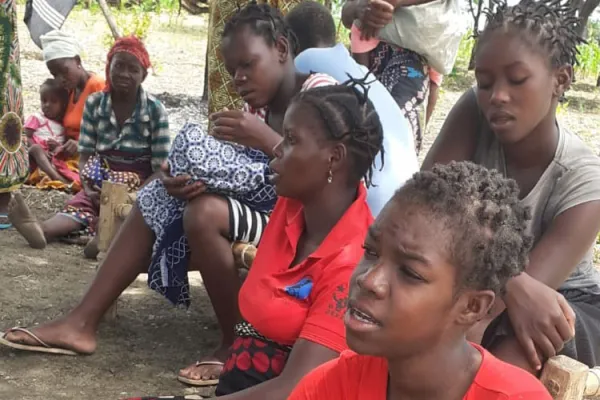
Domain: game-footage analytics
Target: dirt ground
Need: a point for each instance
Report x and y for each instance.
(141, 352)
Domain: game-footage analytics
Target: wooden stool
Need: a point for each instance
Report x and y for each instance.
(568, 379)
(116, 204)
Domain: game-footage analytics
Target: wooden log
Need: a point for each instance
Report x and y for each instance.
(109, 18)
(568, 379)
(113, 196)
(243, 254)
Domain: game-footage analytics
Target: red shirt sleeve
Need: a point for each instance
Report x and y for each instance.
(320, 383)
(324, 324)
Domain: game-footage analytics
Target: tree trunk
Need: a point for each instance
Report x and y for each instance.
(472, 58)
(586, 8)
(205, 89)
(598, 81)
(109, 18)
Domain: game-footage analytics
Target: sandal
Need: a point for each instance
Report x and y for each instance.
(201, 382)
(41, 348)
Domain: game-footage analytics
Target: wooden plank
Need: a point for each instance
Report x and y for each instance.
(113, 196)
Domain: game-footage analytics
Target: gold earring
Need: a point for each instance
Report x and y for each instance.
(330, 176)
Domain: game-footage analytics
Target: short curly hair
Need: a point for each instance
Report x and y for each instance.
(481, 212)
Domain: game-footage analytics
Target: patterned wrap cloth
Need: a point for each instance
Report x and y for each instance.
(14, 161)
(225, 168)
(113, 166)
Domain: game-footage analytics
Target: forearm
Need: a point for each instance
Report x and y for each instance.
(349, 13)
(83, 159)
(269, 139)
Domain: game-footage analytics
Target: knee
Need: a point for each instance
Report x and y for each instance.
(36, 150)
(206, 215)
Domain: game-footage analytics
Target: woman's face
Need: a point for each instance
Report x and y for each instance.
(402, 298)
(516, 87)
(303, 158)
(256, 67)
(67, 71)
(126, 73)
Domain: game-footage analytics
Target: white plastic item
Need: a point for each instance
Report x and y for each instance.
(433, 30)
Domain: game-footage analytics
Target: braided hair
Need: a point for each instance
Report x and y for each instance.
(482, 218)
(348, 116)
(264, 20)
(552, 25)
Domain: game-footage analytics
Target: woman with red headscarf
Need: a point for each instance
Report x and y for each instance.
(124, 138)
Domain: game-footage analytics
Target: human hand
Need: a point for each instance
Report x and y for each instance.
(374, 15)
(241, 127)
(540, 316)
(68, 149)
(93, 193)
(179, 186)
(52, 144)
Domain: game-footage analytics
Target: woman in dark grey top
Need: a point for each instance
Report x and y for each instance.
(508, 122)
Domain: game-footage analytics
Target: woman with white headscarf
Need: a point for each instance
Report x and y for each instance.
(62, 56)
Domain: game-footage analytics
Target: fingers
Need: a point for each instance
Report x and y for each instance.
(180, 188)
(567, 332)
(235, 114)
(530, 352)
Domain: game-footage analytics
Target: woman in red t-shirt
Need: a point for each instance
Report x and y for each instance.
(435, 259)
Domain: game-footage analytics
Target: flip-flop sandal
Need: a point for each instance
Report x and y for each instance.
(42, 348)
(5, 226)
(201, 382)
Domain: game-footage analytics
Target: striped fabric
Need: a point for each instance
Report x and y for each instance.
(147, 131)
(43, 16)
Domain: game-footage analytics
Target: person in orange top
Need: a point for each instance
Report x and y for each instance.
(61, 54)
(435, 259)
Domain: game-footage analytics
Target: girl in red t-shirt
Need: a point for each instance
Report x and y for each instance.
(435, 259)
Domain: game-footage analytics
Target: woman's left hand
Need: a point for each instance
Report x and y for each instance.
(376, 15)
(540, 316)
(69, 148)
(243, 128)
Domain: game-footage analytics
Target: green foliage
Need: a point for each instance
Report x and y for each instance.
(134, 21)
(589, 60)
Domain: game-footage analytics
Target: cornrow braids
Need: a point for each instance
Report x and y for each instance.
(264, 20)
(551, 24)
(481, 214)
(349, 117)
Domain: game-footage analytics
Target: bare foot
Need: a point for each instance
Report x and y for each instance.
(27, 225)
(209, 371)
(91, 249)
(63, 333)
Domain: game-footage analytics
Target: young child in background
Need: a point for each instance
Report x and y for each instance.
(45, 133)
(124, 138)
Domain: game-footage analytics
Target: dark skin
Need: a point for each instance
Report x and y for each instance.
(373, 14)
(52, 108)
(301, 164)
(126, 76)
(264, 75)
(129, 75)
(304, 148)
(72, 75)
(407, 279)
(518, 93)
